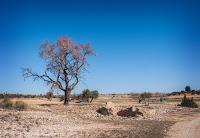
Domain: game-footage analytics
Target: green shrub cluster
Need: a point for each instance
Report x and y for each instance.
(89, 96)
(188, 102)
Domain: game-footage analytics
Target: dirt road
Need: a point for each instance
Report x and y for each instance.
(186, 129)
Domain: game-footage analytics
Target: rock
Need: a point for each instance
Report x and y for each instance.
(109, 109)
(129, 112)
(106, 111)
(134, 109)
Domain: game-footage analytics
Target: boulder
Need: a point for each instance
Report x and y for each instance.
(104, 111)
(109, 109)
(134, 109)
(129, 112)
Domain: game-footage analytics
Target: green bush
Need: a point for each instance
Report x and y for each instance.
(161, 99)
(86, 94)
(19, 105)
(89, 96)
(94, 95)
(6, 103)
(188, 102)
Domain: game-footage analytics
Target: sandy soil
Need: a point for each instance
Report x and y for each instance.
(52, 119)
(189, 128)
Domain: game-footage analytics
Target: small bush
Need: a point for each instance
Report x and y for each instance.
(94, 95)
(144, 96)
(19, 105)
(188, 102)
(49, 95)
(86, 94)
(6, 103)
(89, 96)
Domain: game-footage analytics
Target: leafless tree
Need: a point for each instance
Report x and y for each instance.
(65, 63)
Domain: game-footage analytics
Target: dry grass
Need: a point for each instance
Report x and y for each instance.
(52, 119)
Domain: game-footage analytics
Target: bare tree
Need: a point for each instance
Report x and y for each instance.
(65, 63)
(144, 96)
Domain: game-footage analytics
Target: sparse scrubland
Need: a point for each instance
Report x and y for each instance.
(40, 117)
(6, 103)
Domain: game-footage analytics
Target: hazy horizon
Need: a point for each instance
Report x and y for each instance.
(140, 45)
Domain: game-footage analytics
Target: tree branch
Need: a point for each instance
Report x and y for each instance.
(27, 73)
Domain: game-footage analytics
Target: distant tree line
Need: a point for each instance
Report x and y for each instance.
(86, 96)
(19, 95)
(187, 90)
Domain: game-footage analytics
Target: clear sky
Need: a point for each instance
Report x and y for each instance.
(140, 45)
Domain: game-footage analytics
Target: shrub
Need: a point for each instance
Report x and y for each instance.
(144, 96)
(6, 103)
(86, 94)
(161, 99)
(94, 95)
(49, 95)
(19, 105)
(188, 102)
(89, 96)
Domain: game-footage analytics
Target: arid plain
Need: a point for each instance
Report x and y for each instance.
(44, 118)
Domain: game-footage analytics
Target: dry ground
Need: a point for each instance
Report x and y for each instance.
(52, 119)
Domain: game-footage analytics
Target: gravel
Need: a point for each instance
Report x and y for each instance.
(82, 121)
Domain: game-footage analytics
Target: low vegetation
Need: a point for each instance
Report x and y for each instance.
(19, 95)
(188, 89)
(49, 95)
(89, 96)
(188, 102)
(8, 104)
(20, 105)
(145, 97)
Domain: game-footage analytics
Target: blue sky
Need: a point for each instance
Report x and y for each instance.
(140, 45)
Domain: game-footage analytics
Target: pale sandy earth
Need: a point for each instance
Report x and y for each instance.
(190, 128)
(51, 119)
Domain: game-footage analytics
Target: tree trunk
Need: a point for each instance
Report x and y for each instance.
(67, 97)
(91, 100)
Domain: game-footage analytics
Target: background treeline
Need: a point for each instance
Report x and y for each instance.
(187, 90)
(193, 92)
(86, 96)
(19, 95)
